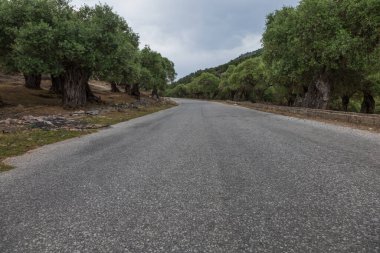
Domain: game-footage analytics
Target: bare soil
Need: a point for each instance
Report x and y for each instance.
(251, 105)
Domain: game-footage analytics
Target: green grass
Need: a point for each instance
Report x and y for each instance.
(5, 167)
(19, 142)
(117, 117)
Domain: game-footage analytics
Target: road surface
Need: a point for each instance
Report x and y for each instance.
(200, 177)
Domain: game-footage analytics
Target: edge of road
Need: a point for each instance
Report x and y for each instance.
(10, 162)
(334, 118)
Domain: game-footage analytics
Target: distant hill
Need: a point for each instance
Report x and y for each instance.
(219, 69)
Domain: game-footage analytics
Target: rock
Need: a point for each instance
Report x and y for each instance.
(93, 112)
(133, 106)
(78, 113)
(45, 125)
(29, 118)
(7, 121)
(97, 126)
(18, 122)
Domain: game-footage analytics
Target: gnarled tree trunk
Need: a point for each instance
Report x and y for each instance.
(135, 90)
(318, 94)
(114, 87)
(33, 81)
(368, 105)
(155, 93)
(57, 84)
(291, 99)
(74, 87)
(232, 95)
(127, 88)
(90, 95)
(345, 102)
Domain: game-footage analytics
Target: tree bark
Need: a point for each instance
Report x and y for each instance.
(90, 95)
(33, 81)
(135, 90)
(127, 88)
(155, 93)
(114, 87)
(291, 98)
(369, 104)
(245, 95)
(345, 102)
(318, 94)
(57, 84)
(75, 87)
(232, 95)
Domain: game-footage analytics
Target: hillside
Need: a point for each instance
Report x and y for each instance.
(219, 69)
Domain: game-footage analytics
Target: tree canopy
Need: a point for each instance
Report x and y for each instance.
(156, 70)
(51, 37)
(313, 55)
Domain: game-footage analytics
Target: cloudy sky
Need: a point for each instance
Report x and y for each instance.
(197, 34)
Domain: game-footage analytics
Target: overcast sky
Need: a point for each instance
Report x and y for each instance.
(197, 34)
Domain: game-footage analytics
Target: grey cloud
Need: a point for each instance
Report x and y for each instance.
(196, 34)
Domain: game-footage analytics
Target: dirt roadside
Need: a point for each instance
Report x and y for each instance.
(33, 118)
(331, 117)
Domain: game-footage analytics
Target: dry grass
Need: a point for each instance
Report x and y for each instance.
(21, 101)
(299, 116)
(112, 118)
(5, 167)
(19, 142)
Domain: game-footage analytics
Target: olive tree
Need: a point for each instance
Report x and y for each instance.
(91, 40)
(156, 71)
(27, 20)
(319, 43)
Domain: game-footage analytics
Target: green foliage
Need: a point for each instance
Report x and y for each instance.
(16, 14)
(157, 71)
(113, 44)
(334, 40)
(246, 81)
(279, 42)
(247, 77)
(219, 70)
(208, 85)
(177, 91)
(337, 39)
(227, 90)
(204, 86)
(32, 42)
(49, 36)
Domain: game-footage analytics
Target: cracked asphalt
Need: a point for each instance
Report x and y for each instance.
(200, 177)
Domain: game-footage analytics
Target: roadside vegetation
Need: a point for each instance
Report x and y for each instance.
(51, 37)
(321, 54)
(19, 141)
(67, 71)
(38, 118)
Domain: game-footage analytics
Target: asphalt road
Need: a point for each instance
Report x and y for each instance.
(200, 177)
